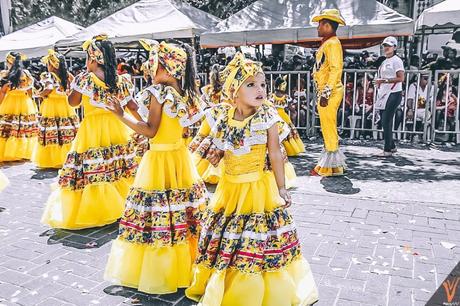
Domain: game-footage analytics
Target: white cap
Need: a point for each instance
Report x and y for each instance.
(391, 41)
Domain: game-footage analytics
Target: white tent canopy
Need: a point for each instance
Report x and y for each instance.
(289, 21)
(36, 39)
(446, 13)
(154, 19)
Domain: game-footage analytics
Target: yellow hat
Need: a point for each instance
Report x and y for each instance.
(330, 14)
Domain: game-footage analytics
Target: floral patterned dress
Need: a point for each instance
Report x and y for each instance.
(18, 121)
(249, 252)
(100, 166)
(157, 239)
(58, 125)
(293, 143)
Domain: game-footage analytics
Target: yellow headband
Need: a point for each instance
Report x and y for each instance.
(173, 58)
(283, 85)
(52, 58)
(94, 52)
(10, 58)
(236, 72)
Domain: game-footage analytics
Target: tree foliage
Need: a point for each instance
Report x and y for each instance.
(86, 12)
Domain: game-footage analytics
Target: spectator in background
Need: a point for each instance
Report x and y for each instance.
(389, 91)
(121, 62)
(416, 104)
(365, 105)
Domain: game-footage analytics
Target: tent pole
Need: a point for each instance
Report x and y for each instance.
(421, 46)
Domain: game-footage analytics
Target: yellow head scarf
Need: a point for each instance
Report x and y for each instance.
(236, 72)
(10, 58)
(52, 58)
(170, 56)
(283, 85)
(94, 52)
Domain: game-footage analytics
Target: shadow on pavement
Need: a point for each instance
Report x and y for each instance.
(138, 298)
(340, 185)
(91, 238)
(398, 168)
(42, 174)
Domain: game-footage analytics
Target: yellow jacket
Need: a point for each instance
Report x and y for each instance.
(327, 72)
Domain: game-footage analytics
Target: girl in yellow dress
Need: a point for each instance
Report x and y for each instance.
(212, 92)
(157, 239)
(249, 252)
(100, 167)
(58, 122)
(293, 144)
(18, 112)
(211, 98)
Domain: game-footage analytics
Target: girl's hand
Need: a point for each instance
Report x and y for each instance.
(215, 156)
(113, 105)
(284, 194)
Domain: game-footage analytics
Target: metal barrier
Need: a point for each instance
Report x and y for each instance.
(418, 114)
(445, 119)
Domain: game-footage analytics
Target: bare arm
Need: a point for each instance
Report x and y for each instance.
(132, 107)
(149, 128)
(277, 162)
(74, 98)
(3, 91)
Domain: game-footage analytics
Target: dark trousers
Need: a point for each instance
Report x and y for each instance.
(387, 120)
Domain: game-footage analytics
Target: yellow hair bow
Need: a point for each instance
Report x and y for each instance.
(10, 58)
(173, 58)
(52, 58)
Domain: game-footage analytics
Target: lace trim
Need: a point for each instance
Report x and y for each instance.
(176, 106)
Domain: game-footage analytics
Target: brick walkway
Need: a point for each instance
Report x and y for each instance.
(372, 238)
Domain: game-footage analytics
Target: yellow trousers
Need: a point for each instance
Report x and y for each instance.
(328, 120)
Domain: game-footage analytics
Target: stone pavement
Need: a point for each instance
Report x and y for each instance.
(382, 235)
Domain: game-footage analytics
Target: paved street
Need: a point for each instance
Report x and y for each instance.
(386, 234)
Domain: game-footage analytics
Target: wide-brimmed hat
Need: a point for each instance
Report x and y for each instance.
(330, 14)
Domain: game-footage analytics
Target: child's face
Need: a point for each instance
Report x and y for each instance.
(253, 91)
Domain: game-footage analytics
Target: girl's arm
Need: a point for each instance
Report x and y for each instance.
(74, 98)
(149, 128)
(277, 163)
(3, 91)
(132, 107)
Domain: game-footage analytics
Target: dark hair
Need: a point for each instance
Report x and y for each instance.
(334, 24)
(214, 77)
(62, 71)
(15, 72)
(189, 85)
(110, 64)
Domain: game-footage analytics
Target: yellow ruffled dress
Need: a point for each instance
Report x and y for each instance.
(3, 181)
(293, 143)
(207, 171)
(157, 239)
(249, 252)
(18, 122)
(100, 167)
(58, 125)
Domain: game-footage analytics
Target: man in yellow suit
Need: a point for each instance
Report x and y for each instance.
(327, 75)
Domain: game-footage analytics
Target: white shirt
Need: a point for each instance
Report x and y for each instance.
(422, 94)
(388, 70)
